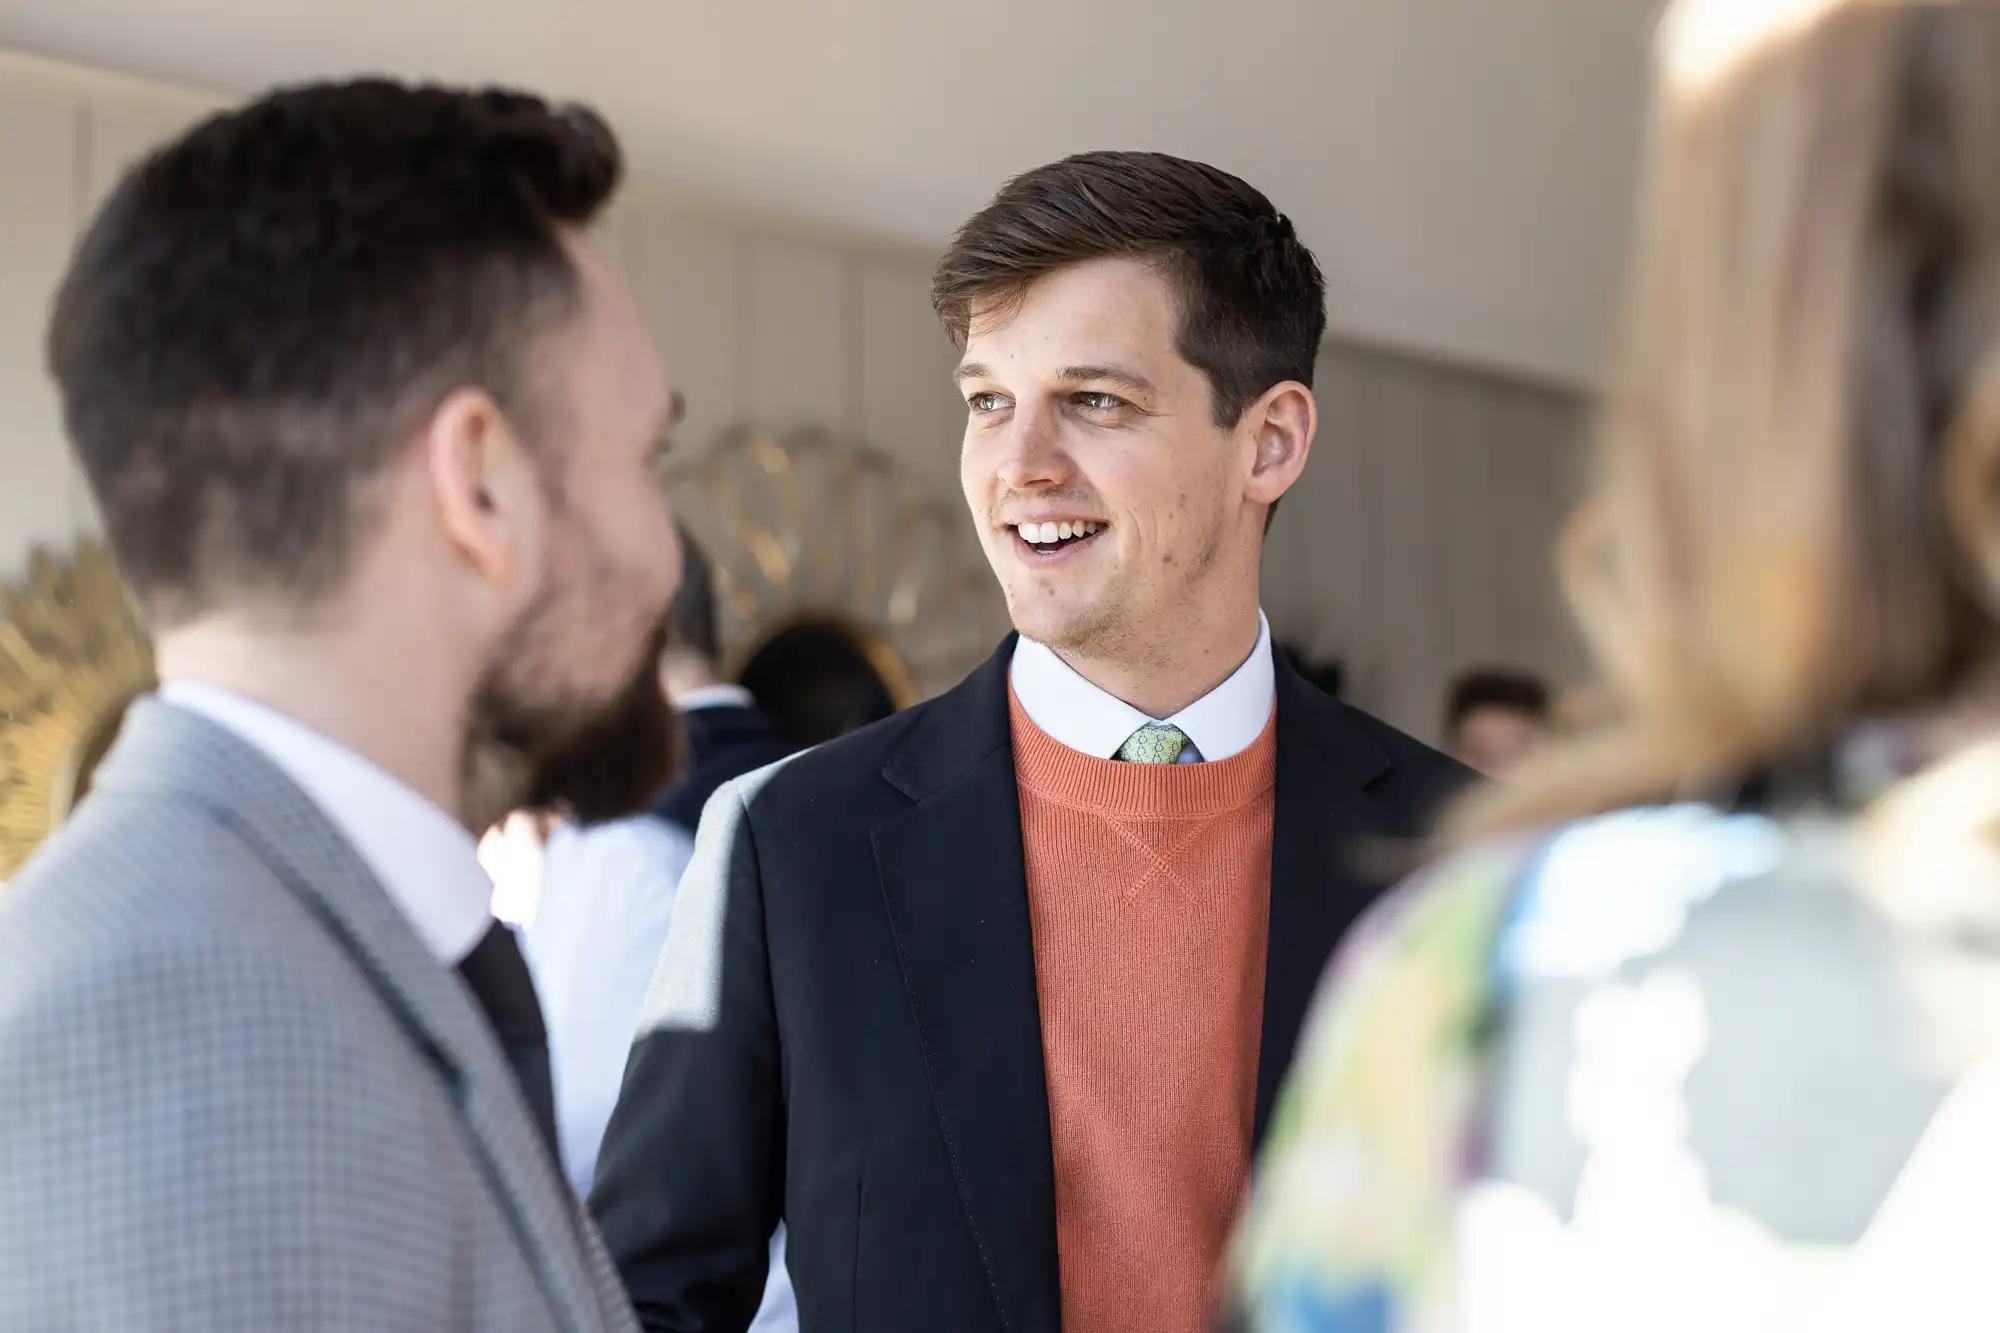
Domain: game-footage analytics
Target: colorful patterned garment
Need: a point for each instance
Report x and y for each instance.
(1673, 1069)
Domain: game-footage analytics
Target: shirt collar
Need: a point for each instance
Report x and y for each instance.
(716, 696)
(1226, 721)
(425, 860)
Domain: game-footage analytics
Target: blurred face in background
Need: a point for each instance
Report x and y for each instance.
(1493, 739)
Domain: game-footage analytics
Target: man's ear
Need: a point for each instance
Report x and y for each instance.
(488, 494)
(1281, 425)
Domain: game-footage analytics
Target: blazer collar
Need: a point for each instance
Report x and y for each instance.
(956, 731)
(953, 883)
(1328, 761)
(167, 751)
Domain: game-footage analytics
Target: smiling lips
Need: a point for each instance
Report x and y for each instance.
(1056, 537)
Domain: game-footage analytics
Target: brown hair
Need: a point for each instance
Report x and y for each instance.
(1494, 687)
(1791, 521)
(1252, 302)
(263, 305)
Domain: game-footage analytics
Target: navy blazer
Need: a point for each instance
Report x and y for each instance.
(845, 1031)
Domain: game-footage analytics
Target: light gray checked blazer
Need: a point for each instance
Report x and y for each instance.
(238, 1093)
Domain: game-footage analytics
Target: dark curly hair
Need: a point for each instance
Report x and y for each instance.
(265, 306)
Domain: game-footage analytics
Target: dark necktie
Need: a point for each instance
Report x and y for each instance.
(498, 976)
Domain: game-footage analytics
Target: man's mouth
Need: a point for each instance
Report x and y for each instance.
(1057, 537)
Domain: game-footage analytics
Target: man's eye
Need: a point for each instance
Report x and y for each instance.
(1098, 402)
(986, 402)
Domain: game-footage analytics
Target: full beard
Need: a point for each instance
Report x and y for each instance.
(621, 760)
(556, 752)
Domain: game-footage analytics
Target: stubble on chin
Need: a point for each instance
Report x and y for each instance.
(1082, 631)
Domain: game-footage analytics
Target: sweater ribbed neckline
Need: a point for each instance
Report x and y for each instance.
(1053, 771)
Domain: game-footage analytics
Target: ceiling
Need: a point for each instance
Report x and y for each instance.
(1463, 168)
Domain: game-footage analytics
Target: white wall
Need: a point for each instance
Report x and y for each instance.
(64, 138)
(1416, 543)
(760, 321)
(783, 326)
(1419, 542)
(1462, 168)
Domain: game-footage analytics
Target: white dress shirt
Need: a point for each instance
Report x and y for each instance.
(424, 859)
(592, 942)
(1226, 721)
(716, 696)
(596, 920)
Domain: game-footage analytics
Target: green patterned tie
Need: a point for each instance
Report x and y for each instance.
(1154, 743)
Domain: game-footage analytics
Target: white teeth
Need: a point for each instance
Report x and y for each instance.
(1046, 534)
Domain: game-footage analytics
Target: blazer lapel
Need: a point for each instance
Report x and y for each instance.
(955, 885)
(168, 749)
(1324, 812)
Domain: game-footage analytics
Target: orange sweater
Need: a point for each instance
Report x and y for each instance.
(1149, 890)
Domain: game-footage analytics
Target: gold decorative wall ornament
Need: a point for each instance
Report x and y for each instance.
(73, 654)
(801, 528)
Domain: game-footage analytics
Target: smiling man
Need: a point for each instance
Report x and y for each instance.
(988, 1002)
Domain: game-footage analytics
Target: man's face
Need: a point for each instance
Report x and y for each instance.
(1492, 740)
(1102, 489)
(587, 644)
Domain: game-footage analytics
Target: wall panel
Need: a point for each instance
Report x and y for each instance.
(1419, 541)
(40, 139)
(796, 341)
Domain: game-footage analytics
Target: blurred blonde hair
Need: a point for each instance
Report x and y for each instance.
(1791, 521)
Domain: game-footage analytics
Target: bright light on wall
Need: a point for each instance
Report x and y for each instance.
(1701, 40)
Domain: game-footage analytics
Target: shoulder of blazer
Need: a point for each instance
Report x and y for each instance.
(1423, 780)
(913, 752)
(1407, 781)
(848, 784)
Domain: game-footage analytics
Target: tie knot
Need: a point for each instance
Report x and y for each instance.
(1154, 743)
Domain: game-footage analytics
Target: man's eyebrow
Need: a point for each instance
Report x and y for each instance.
(1125, 379)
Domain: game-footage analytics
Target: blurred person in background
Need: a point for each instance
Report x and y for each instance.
(591, 866)
(595, 870)
(726, 734)
(1701, 1028)
(814, 682)
(1494, 718)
